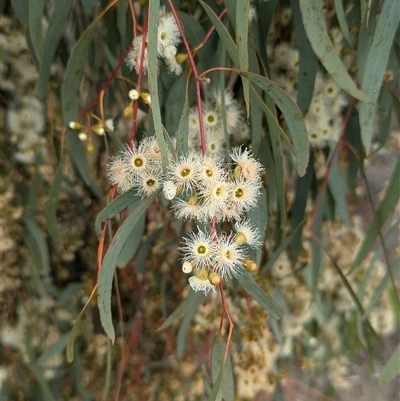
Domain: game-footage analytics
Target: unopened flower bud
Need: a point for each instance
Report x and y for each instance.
(240, 238)
(146, 98)
(134, 94)
(82, 136)
(128, 112)
(214, 278)
(181, 57)
(98, 129)
(250, 265)
(75, 125)
(187, 267)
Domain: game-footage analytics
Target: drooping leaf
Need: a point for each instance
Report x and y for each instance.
(132, 243)
(308, 61)
(385, 209)
(391, 368)
(375, 67)
(258, 217)
(181, 339)
(241, 31)
(21, 8)
(223, 33)
(154, 7)
(258, 294)
(54, 34)
(185, 306)
(110, 261)
(76, 329)
(314, 25)
(340, 14)
(221, 372)
(53, 202)
(36, 9)
(292, 116)
(58, 347)
(381, 288)
(120, 203)
(39, 251)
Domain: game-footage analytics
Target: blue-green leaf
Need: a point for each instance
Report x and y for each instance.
(21, 8)
(53, 201)
(292, 116)
(110, 262)
(376, 62)
(54, 34)
(242, 27)
(36, 11)
(132, 243)
(256, 292)
(154, 7)
(314, 24)
(385, 209)
(183, 308)
(340, 14)
(120, 203)
(221, 372)
(391, 368)
(308, 61)
(39, 251)
(223, 33)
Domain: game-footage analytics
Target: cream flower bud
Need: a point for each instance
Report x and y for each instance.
(133, 94)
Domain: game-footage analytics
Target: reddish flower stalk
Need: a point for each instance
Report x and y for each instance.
(140, 78)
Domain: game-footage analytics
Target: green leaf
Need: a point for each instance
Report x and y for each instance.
(77, 328)
(340, 14)
(381, 288)
(21, 8)
(36, 12)
(223, 33)
(375, 67)
(242, 27)
(221, 372)
(132, 243)
(53, 202)
(337, 186)
(181, 339)
(302, 190)
(274, 131)
(182, 132)
(54, 349)
(258, 217)
(120, 203)
(54, 34)
(154, 7)
(39, 251)
(110, 261)
(314, 25)
(385, 209)
(308, 61)
(292, 116)
(183, 308)
(391, 368)
(258, 294)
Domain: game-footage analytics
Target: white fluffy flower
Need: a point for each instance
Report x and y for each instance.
(198, 249)
(200, 282)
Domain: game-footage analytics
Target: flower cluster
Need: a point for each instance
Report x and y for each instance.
(203, 188)
(137, 167)
(216, 258)
(168, 38)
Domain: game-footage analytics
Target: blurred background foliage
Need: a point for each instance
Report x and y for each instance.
(317, 84)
